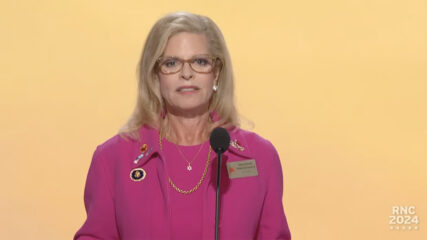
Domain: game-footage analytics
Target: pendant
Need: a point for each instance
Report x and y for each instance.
(189, 167)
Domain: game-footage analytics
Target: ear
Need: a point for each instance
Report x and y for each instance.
(216, 75)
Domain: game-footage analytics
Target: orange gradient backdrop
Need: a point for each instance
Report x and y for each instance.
(339, 87)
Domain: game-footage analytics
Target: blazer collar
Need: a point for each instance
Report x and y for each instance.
(149, 144)
(238, 144)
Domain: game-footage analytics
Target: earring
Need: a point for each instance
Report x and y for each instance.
(215, 88)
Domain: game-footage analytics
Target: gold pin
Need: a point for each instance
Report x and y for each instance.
(145, 151)
(144, 148)
(137, 174)
(236, 145)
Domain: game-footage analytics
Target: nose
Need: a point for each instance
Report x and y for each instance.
(186, 71)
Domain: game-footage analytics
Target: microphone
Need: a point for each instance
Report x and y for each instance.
(220, 141)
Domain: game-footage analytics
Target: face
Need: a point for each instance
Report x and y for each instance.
(187, 92)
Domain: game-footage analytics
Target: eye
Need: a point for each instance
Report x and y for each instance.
(201, 61)
(170, 63)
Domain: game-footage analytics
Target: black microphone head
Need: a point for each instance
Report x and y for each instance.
(220, 140)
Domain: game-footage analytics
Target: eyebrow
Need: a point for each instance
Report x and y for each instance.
(197, 55)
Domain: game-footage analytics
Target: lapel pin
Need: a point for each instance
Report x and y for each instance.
(137, 174)
(235, 144)
(144, 148)
(138, 158)
(144, 152)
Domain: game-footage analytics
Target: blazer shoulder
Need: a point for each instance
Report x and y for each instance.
(263, 151)
(115, 144)
(255, 142)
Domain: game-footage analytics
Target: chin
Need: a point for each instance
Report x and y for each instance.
(188, 108)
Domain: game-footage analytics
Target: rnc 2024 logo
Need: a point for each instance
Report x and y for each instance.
(403, 218)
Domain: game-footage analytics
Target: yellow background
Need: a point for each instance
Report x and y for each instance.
(338, 86)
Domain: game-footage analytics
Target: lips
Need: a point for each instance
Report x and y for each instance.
(187, 89)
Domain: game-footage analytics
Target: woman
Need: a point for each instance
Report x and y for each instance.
(156, 179)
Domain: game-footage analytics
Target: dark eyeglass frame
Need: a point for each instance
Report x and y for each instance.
(189, 61)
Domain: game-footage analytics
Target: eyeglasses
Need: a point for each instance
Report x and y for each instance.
(199, 64)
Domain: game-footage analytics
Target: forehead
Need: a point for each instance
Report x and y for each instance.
(186, 45)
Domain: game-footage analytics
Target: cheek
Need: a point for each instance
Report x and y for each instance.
(165, 86)
(208, 82)
(207, 90)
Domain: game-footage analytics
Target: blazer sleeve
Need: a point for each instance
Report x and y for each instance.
(100, 222)
(273, 223)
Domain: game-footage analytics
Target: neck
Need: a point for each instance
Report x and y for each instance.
(184, 130)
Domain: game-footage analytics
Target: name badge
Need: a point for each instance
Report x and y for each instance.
(239, 169)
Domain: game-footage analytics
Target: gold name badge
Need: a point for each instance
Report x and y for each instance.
(239, 169)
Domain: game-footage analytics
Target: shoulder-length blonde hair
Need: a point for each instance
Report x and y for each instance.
(149, 105)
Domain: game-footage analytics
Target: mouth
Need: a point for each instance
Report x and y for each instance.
(187, 89)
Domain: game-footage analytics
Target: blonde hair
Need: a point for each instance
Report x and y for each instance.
(149, 105)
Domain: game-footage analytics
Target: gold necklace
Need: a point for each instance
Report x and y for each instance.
(189, 168)
(201, 179)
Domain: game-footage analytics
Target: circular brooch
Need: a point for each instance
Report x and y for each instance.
(137, 174)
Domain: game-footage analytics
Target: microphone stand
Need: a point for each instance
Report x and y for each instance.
(220, 141)
(218, 181)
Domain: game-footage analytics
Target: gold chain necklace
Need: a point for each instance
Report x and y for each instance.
(201, 179)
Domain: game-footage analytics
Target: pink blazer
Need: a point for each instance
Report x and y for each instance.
(119, 208)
